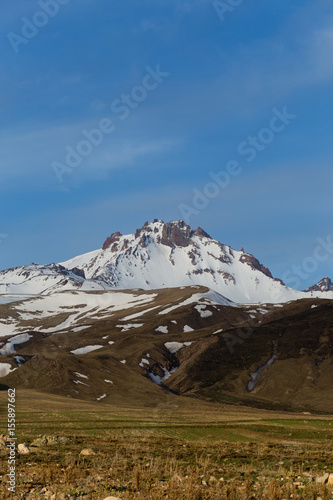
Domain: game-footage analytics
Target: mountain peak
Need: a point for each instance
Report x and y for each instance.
(167, 254)
(171, 234)
(180, 234)
(324, 285)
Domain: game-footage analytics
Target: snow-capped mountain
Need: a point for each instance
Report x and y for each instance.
(161, 255)
(324, 285)
(167, 308)
(158, 255)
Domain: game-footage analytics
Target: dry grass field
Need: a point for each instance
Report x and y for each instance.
(174, 448)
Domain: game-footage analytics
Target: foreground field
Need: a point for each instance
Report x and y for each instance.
(175, 449)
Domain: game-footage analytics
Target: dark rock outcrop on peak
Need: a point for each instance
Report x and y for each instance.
(255, 264)
(173, 234)
(202, 233)
(78, 272)
(114, 238)
(324, 285)
(178, 234)
(58, 268)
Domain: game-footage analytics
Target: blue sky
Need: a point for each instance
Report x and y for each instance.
(224, 78)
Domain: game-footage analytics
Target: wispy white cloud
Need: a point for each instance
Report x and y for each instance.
(30, 163)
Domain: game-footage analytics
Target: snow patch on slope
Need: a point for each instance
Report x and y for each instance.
(9, 347)
(86, 349)
(174, 347)
(5, 369)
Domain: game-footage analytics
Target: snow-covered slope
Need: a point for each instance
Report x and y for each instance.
(36, 280)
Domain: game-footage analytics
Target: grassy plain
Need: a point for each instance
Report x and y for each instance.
(175, 448)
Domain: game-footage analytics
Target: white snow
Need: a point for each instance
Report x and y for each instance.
(9, 326)
(36, 279)
(162, 329)
(313, 306)
(6, 299)
(144, 362)
(159, 380)
(81, 375)
(19, 360)
(111, 342)
(263, 311)
(86, 349)
(202, 311)
(256, 375)
(5, 369)
(80, 382)
(123, 361)
(174, 347)
(218, 331)
(204, 299)
(9, 347)
(101, 397)
(129, 326)
(79, 328)
(79, 306)
(188, 329)
(137, 315)
(108, 381)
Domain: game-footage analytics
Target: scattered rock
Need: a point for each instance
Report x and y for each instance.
(87, 452)
(23, 449)
(330, 479)
(322, 479)
(43, 440)
(39, 441)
